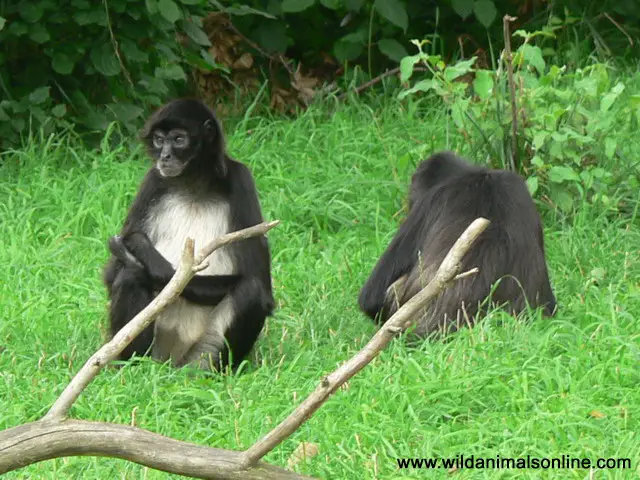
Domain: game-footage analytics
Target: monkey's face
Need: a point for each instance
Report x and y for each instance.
(172, 150)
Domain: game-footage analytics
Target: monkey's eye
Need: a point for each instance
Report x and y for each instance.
(158, 141)
(180, 141)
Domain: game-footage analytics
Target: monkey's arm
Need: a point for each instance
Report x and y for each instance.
(136, 249)
(398, 260)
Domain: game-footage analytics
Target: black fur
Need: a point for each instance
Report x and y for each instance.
(212, 193)
(446, 195)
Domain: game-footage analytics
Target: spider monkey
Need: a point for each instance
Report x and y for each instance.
(194, 189)
(446, 195)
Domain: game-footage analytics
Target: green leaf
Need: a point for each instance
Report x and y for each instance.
(171, 72)
(346, 51)
(610, 144)
(406, 67)
(169, 10)
(392, 49)
(354, 5)
(192, 2)
(90, 17)
(62, 63)
(533, 56)
(105, 61)
(483, 84)
(559, 174)
(132, 52)
(532, 185)
(561, 197)
(125, 112)
(609, 98)
(2, 22)
(39, 95)
(458, 110)
(457, 70)
(39, 34)
(536, 161)
(31, 12)
(539, 138)
(152, 6)
(421, 86)
(331, 4)
(294, 6)
(196, 34)
(59, 110)
(18, 29)
(350, 46)
(464, 8)
(485, 11)
(394, 11)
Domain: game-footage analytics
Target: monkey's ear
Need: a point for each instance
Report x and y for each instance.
(210, 129)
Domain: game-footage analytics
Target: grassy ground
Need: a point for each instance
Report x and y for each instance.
(547, 388)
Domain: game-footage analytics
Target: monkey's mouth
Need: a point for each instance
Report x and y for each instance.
(169, 170)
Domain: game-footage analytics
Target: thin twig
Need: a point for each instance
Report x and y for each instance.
(116, 46)
(401, 320)
(619, 27)
(184, 273)
(376, 80)
(515, 157)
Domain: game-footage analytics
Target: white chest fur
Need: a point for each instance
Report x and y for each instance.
(177, 217)
(185, 330)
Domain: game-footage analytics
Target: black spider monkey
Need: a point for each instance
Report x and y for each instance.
(446, 195)
(194, 189)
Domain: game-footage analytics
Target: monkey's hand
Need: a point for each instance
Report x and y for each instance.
(120, 251)
(138, 245)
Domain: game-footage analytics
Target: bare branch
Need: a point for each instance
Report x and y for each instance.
(515, 155)
(43, 440)
(233, 237)
(401, 320)
(184, 273)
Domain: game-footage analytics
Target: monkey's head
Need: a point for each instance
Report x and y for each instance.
(185, 138)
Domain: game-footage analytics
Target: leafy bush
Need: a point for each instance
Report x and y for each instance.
(87, 63)
(90, 63)
(565, 121)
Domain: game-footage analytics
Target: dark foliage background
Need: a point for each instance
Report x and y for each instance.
(85, 63)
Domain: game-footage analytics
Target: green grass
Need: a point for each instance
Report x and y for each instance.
(547, 387)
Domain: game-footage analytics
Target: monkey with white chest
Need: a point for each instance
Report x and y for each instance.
(194, 189)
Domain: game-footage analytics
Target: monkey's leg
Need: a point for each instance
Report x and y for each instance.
(129, 295)
(235, 327)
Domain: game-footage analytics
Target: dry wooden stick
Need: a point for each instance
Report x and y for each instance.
(401, 320)
(187, 268)
(43, 440)
(515, 156)
(376, 80)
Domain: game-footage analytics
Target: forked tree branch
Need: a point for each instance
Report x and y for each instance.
(400, 321)
(54, 436)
